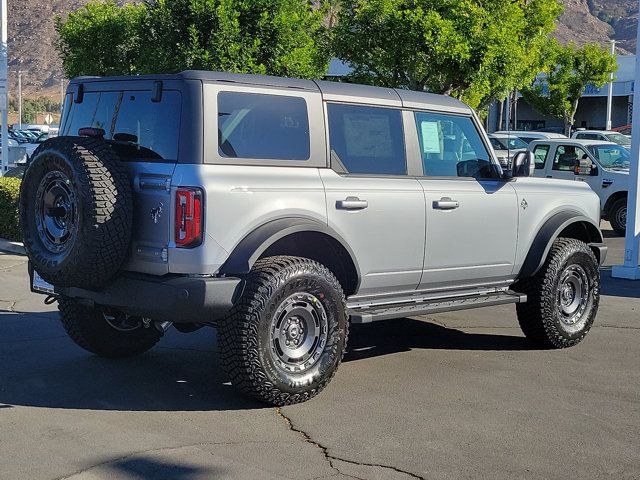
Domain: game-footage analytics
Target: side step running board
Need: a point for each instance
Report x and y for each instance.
(411, 307)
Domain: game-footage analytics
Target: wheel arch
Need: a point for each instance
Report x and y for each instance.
(301, 237)
(564, 224)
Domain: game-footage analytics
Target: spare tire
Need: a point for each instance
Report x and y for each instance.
(75, 212)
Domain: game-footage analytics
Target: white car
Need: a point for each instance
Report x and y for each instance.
(529, 136)
(506, 145)
(606, 170)
(603, 136)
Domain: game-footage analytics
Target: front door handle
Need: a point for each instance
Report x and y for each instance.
(445, 203)
(351, 203)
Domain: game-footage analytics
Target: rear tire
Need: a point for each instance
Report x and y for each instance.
(284, 340)
(618, 216)
(93, 329)
(562, 298)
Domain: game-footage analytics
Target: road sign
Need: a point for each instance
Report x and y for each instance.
(48, 119)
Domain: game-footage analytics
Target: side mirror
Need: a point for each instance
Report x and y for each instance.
(523, 165)
(583, 166)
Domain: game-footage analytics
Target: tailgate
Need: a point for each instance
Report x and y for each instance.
(152, 209)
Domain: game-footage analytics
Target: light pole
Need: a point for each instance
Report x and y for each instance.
(4, 103)
(630, 269)
(19, 100)
(610, 92)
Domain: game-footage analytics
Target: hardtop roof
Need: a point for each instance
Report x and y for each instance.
(330, 90)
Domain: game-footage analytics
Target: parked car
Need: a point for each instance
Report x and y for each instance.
(607, 174)
(16, 172)
(624, 130)
(506, 146)
(529, 136)
(603, 136)
(280, 210)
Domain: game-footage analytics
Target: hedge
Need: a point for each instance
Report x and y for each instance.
(9, 193)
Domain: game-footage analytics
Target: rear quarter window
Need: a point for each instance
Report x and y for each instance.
(260, 126)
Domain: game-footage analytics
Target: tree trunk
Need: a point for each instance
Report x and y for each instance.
(570, 117)
(500, 114)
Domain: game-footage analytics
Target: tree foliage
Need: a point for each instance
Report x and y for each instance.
(473, 50)
(101, 38)
(277, 37)
(568, 71)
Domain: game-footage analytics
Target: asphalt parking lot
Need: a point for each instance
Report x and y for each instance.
(449, 396)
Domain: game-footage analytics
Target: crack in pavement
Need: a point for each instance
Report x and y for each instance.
(331, 458)
(623, 327)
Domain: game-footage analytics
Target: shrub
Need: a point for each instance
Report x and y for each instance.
(9, 194)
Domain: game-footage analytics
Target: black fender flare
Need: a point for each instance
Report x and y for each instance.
(248, 251)
(548, 233)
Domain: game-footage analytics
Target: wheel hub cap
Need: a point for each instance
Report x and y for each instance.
(298, 332)
(573, 294)
(56, 213)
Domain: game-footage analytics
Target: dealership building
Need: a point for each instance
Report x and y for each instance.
(592, 109)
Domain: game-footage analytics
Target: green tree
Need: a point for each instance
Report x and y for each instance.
(477, 51)
(277, 37)
(569, 71)
(101, 38)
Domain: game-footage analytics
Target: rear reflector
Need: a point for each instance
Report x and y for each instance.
(189, 217)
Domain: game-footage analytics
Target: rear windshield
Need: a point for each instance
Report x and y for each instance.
(137, 127)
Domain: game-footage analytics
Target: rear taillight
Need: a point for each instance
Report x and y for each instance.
(189, 217)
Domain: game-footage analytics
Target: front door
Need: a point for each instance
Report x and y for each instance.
(563, 163)
(471, 213)
(371, 201)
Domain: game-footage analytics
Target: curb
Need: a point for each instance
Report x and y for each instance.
(8, 246)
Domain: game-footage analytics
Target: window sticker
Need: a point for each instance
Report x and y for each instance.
(430, 137)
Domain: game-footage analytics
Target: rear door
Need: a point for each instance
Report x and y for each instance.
(144, 132)
(372, 202)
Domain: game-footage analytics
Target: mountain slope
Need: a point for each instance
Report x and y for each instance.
(32, 34)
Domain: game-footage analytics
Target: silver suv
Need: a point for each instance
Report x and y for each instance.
(281, 210)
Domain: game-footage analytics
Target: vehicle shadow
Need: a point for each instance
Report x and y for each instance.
(401, 335)
(42, 367)
(617, 287)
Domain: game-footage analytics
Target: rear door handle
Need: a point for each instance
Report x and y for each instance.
(445, 203)
(351, 203)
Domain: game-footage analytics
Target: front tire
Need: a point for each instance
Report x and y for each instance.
(106, 333)
(284, 340)
(563, 296)
(618, 216)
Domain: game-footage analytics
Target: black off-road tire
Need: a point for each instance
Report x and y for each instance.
(88, 328)
(540, 317)
(618, 215)
(247, 345)
(97, 215)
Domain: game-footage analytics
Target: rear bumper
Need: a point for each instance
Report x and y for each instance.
(178, 299)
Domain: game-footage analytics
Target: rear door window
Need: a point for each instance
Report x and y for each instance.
(367, 140)
(259, 126)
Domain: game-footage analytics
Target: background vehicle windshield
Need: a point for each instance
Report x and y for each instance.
(611, 156)
(618, 138)
(507, 143)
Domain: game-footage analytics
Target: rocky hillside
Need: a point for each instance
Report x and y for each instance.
(32, 35)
